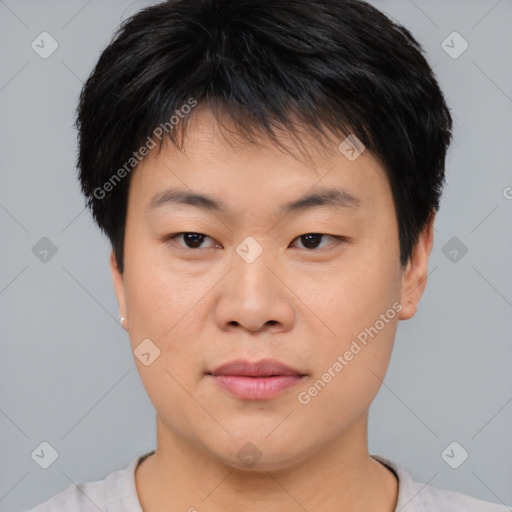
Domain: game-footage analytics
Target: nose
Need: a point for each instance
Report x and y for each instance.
(254, 296)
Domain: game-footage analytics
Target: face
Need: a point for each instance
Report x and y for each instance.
(257, 272)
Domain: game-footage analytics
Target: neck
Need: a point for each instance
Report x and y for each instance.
(338, 476)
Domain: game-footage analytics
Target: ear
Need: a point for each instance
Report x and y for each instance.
(118, 280)
(414, 277)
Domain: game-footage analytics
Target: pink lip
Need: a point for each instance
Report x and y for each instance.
(256, 380)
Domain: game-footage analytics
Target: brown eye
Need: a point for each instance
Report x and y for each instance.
(191, 240)
(313, 240)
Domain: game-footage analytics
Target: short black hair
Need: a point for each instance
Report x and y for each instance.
(266, 65)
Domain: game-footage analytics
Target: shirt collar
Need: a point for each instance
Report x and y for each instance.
(409, 492)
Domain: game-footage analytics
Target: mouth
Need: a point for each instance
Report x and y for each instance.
(259, 380)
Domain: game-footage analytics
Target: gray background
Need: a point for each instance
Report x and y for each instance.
(67, 374)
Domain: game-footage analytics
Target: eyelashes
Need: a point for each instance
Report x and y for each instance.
(193, 240)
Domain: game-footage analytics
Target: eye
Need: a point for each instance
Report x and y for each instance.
(192, 240)
(312, 240)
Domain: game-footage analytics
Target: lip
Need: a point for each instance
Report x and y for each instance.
(258, 380)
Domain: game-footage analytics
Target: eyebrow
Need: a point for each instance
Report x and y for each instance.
(329, 197)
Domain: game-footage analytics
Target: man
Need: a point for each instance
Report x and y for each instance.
(268, 175)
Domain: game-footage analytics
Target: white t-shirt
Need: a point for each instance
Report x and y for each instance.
(117, 493)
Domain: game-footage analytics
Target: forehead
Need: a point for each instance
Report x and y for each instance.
(220, 171)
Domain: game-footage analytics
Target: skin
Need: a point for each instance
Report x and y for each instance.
(303, 306)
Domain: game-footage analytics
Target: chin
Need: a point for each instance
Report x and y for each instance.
(256, 453)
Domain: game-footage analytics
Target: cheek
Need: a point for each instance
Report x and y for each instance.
(161, 309)
(350, 368)
(356, 293)
(167, 307)
(158, 295)
(359, 304)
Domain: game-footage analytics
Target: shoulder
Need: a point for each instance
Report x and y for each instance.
(82, 497)
(418, 497)
(452, 501)
(116, 492)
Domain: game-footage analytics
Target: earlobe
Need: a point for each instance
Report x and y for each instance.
(118, 282)
(408, 310)
(414, 279)
(124, 323)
